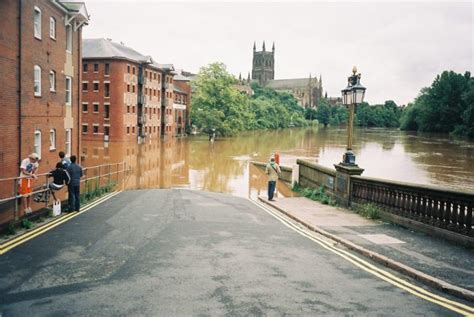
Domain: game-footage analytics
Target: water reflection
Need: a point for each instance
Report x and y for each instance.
(222, 166)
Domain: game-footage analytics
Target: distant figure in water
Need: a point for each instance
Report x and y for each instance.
(212, 135)
(273, 171)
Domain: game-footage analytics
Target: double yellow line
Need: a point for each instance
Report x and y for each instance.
(7, 246)
(370, 268)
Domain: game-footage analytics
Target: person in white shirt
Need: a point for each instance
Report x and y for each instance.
(28, 169)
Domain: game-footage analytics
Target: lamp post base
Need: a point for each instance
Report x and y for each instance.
(348, 159)
(344, 171)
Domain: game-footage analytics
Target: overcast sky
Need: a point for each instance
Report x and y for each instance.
(399, 47)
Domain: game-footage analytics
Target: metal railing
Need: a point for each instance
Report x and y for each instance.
(98, 176)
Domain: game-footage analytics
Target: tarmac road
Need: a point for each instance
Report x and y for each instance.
(180, 253)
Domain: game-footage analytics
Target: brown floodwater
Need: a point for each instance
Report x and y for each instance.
(223, 166)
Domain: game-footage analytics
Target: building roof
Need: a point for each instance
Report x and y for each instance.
(106, 49)
(288, 83)
(179, 90)
(77, 8)
(180, 77)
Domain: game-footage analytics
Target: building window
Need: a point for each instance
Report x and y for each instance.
(133, 70)
(52, 28)
(84, 128)
(128, 109)
(106, 131)
(68, 90)
(85, 86)
(107, 90)
(128, 130)
(128, 69)
(133, 88)
(96, 68)
(96, 86)
(68, 142)
(37, 23)
(52, 81)
(107, 69)
(37, 144)
(133, 130)
(85, 107)
(96, 107)
(37, 79)
(52, 139)
(128, 88)
(85, 67)
(106, 111)
(95, 129)
(69, 38)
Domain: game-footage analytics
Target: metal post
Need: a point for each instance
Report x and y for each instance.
(15, 192)
(46, 192)
(350, 127)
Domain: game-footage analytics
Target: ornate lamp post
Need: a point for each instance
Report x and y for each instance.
(352, 95)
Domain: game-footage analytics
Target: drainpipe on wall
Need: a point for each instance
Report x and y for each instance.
(79, 74)
(20, 5)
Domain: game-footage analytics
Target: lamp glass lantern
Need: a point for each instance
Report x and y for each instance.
(358, 93)
(347, 96)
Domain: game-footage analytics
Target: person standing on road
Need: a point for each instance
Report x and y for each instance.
(74, 187)
(273, 171)
(28, 169)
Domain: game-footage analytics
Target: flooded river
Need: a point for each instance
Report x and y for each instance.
(222, 166)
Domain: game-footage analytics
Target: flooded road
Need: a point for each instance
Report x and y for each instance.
(222, 166)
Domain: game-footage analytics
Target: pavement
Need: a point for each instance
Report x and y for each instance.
(177, 252)
(434, 261)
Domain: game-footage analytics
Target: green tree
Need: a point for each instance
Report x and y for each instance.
(323, 113)
(446, 106)
(217, 104)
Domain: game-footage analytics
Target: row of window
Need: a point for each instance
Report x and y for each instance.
(85, 68)
(52, 141)
(37, 23)
(148, 129)
(95, 129)
(96, 86)
(95, 109)
(37, 75)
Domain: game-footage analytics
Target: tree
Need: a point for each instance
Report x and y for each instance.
(323, 113)
(446, 106)
(217, 104)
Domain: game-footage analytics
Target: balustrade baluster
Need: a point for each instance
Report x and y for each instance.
(469, 210)
(462, 217)
(455, 215)
(450, 209)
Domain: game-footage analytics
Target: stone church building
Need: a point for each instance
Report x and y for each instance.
(308, 91)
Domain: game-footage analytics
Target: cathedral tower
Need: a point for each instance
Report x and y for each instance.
(263, 64)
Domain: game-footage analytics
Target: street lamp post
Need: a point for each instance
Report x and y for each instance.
(352, 95)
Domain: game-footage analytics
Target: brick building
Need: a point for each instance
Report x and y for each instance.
(40, 58)
(182, 103)
(126, 95)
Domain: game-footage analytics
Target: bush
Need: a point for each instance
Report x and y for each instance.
(368, 211)
(25, 223)
(316, 194)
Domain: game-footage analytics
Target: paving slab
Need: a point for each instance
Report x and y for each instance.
(433, 256)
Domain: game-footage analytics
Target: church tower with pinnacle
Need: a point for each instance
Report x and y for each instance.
(263, 64)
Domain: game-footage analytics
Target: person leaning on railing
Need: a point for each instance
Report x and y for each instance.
(28, 169)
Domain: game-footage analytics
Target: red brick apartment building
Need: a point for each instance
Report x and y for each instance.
(182, 103)
(40, 63)
(125, 94)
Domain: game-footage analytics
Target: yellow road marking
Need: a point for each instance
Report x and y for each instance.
(368, 267)
(40, 230)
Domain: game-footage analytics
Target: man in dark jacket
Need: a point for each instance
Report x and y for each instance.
(75, 172)
(60, 177)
